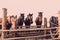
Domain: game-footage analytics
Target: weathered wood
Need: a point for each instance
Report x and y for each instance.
(29, 37)
(45, 25)
(45, 22)
(30, 29)
(4, 19)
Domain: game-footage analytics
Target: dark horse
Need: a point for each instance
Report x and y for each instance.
(21, 20)
(54, 23)
(29, 20)
(38, 20)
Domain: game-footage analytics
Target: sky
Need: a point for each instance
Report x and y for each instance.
(15, 7)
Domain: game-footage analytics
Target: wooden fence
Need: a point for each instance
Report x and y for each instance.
(35, 37)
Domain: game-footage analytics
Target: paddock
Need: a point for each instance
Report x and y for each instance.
(32, 33)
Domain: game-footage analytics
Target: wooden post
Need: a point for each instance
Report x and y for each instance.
(45, 25)
(59, 23)
(45, 22)
(4, 19)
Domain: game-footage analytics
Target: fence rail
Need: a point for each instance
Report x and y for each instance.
(29, 29)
